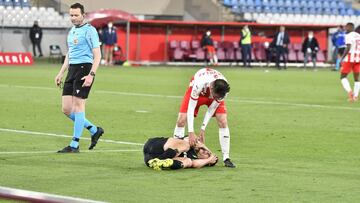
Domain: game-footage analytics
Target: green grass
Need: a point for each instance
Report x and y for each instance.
(294, 137)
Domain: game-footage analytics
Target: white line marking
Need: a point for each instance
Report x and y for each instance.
(67, 136)
(141, 111)
(87, 151)
(179, 97)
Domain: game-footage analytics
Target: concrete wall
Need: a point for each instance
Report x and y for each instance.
(17, 40)
(136, 7)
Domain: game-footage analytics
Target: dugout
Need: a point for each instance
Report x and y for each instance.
(147, 41)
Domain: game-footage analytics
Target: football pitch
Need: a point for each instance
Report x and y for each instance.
(294, 137)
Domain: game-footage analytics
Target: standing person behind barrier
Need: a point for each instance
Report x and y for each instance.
(35, 38)
(280, 43)
(109, 39)
(245, 43)
(208, 44)
(310, 47)
(338, 40)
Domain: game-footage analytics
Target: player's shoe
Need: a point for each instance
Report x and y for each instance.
(95, 138)
(159, 164)
(355, 99)
(69, 149)
(228, 163)
(350, 96)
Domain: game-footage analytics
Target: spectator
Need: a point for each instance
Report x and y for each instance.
(208, 44)
(245, 44)
(310, 47)
(338, 40)
(109, 38)
(35, 38)
(280, 43)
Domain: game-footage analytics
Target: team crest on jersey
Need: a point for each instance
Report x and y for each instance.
(76, 41)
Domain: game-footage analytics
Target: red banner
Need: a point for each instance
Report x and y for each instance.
(16, 58)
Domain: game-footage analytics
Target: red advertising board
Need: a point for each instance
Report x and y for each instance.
(16, 58)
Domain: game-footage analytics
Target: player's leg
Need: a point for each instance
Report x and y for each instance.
(345, 70)
(111, 49)
(224, 138)
(338, 58)
(356, 71)
(183, 162)
(305, 59)
(177, 145)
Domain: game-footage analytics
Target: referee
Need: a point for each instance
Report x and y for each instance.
(81, 61)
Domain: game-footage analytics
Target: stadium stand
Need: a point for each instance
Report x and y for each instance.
(294, 11)
(20, 13)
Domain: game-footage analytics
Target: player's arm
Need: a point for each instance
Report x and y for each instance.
(346, 51)
(198, 163)
(209, 113)
(93, 40)
(62, 71)
(194, 96)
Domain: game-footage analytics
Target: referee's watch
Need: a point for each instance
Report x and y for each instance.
(92, 73)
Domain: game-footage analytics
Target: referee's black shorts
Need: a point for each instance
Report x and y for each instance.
(153, 148)
(73, 83)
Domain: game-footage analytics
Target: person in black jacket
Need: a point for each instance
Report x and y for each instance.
(208, 45)
(310, 47)
(280, 44)
(35, 37)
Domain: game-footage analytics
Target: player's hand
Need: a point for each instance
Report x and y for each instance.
(213, 159)
(192, 139)
(202, 136)
(58, 79)
(87, 80)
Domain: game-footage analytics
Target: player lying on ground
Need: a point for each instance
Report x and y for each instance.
(172, 153)
(207, 87)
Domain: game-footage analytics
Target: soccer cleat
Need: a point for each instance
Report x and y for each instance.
(95, 138)
(159, 164)
(355, 99)
(69, 149)
(350, 96)
(229, 164)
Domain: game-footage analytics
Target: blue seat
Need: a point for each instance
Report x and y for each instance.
(274, 9)
(258, 9)
(267, 9)
(296, 3)
(327, 11)
(288, 3)
(312, 10)
(250, 9)
(249, 3)
(326, 4)
(273, 3)
(1, 3)
(8, 3)
(227, 3)
(297, 10)
(319, 11)
(350, 11)
(318, 4)
(343, 12)
(266, 2)
(310, 4)
(305, 10)
(335, 11)
(17, 3)
(235, 9)
(303, 3)
(289, 10)
(235, 3)
(333, 5)
(257, 3)
(281, 3)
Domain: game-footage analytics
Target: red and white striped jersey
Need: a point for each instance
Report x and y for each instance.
(200, 83)
(353, 39)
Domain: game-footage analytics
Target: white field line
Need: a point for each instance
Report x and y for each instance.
(67, 136)
(87, 151)
(179, 97)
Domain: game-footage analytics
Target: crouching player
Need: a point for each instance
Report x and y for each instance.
(172, 153)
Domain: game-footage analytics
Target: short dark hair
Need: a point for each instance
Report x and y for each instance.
(78, 5)
(350, 24)
(221, 87)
